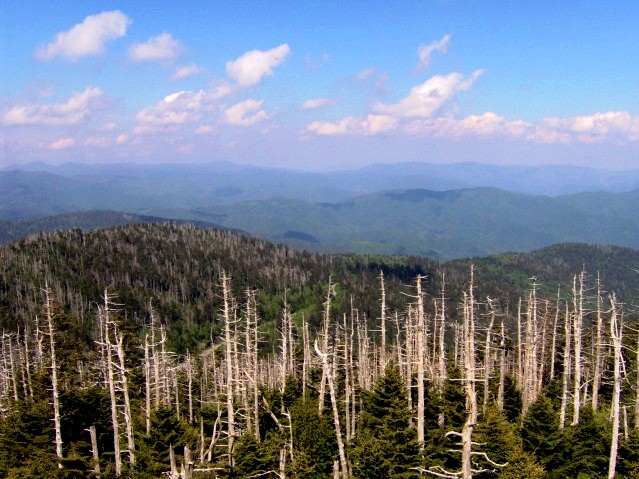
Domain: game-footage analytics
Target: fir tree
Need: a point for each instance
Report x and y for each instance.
(386, 445)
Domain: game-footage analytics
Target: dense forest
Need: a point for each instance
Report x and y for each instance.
(165, 350)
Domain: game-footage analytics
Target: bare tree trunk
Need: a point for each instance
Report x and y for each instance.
(189, 382)
(115, 423)
(502, 368)
(596, 379)
(577, 334)
(520, 362)
(230, 411)
(382, 355)
(469, 379)
(94, 452)
(306, 344)
(566, 369)
(616, 330)
(147, 385)
(128, 417)
(421, 346)
(325, 331)
(487, 358)
(553, 353)
(48, 310)
(338, 431)
(442, 373)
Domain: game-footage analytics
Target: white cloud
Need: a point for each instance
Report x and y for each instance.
(428, 98)
(177, 108)
(185, 71)
(98, 142)
(484, 125)
(371, 125)
(250, 68)
(246, 113)
(162, 47)
(315, 103)
(62, 144)
(86, 38)
(204, 129)
(612, 123)
(425, 52)
(73, 111)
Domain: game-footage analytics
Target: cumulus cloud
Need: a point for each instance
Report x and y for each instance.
(370, 125)
(599, 126)
(62, 144)
(246, 113)
(160, 48)
(177, 108)
(428, 98)
(86, 38)
(185, 72)
(425, 52)
(315, 103)
(250, 68)
(76, 109)
(484, 125)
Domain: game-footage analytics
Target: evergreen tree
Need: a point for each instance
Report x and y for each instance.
(502, 444)
(587, 449)
(386, 445)
(541, 435)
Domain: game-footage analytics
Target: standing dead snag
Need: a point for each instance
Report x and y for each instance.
(325, 331)
(328, 374)
(468, 380)
(578, 321)
(616, 329)
(230, 364)
(382, 352)
(116, 376)
(421, 347)
(54, 376)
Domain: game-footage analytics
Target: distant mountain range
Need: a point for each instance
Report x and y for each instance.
(11, 230)
(377, 209)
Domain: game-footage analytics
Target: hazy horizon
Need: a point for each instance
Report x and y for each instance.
(317, 87)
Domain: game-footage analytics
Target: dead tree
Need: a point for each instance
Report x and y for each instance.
(382, 353)
(324, 335)
(487, 357)
(598, 347)
(328, 373)
(230, 364)
(421, 348)
(48, 312)
(567, 358)
(616, 329)
(578, 320)
(468, 379)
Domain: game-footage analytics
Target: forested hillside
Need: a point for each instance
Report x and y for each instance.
(150, 350)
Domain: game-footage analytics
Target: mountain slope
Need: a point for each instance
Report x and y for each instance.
(85, 220)
(449, 224)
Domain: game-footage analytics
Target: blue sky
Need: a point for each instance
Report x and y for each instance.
(320, 85)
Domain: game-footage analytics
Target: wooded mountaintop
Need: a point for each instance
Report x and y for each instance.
(151, 349)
